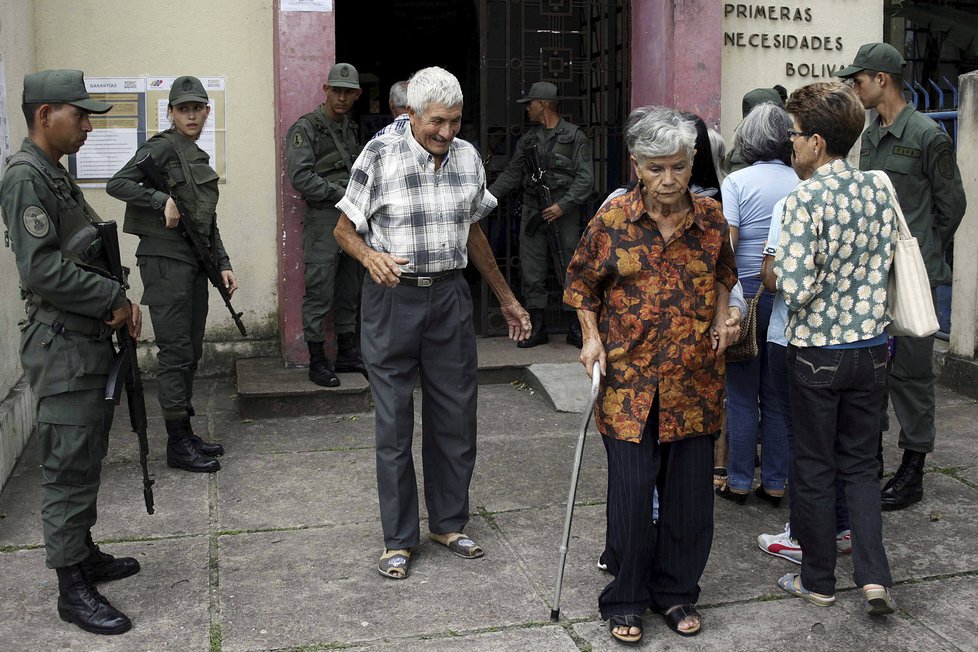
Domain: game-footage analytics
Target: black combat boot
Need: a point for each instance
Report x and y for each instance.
(348, 358)
(539, 333)
(319, 370)
(574, 335)
(80, 603)
(103, 567)
(210, 449)
(906, 487)
(181, 452)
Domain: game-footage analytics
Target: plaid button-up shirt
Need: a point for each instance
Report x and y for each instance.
(404, 207)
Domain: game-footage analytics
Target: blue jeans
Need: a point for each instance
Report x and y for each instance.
(754, 409)
(777, 358)
(836, 399)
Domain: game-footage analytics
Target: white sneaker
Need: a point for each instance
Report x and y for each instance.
(843, 542)
(781, 545)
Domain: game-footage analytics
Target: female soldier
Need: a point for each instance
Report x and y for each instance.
(175, 286)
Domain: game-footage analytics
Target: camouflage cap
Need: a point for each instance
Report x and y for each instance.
(540, 91)
(61, 87)
(187, 89)
(343, 75)
(874, 56)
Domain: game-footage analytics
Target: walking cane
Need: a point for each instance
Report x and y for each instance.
(572, 495)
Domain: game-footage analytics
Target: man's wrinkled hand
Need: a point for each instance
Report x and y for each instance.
(518, 320)
(725, 329)
(383, 268)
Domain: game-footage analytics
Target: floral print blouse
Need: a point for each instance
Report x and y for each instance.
(655, 302)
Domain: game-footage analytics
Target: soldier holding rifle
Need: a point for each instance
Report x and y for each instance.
(552, 164)
(175, 221)
(73, 307)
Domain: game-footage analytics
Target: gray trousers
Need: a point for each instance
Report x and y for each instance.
(73, 435)
(176, 293)
(535, 257)
(406, 330)
(911, 389)
(331, 277)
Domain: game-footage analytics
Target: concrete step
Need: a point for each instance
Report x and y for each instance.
(269, 389)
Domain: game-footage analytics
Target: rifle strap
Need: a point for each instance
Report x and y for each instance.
(188, 175)
(319, 122)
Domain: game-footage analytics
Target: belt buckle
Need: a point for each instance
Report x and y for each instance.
(424, 281)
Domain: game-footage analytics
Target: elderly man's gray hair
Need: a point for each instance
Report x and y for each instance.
(398, 96)
(764, 134)
(656, 131)
(433, 86)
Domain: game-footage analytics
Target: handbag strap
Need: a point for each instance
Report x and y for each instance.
(902, 226)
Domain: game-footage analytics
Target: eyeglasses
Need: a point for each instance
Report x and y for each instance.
(795, 134)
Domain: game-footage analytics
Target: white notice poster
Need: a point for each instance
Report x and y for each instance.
(4, 124)
(306, 5)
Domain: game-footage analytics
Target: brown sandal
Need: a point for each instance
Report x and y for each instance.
(395, 564)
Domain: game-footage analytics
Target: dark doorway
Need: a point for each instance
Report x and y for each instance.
(497, 49)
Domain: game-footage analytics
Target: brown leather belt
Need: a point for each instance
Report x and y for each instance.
(423, 281)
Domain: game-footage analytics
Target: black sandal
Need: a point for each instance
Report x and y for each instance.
(726, 492)
(631, 620)
(762, 493)
(675, 615)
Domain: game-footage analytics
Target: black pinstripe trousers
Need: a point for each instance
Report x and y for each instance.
(657, 566)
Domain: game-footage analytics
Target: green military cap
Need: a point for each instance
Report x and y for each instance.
(61, 87)
(760, 96)
(343, 75)
(874, 56)
(540, 91)
(187, 89)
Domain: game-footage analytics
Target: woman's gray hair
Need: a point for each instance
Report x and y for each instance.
(433, 86)
(764, 134)
(719, 149)
(656, 131)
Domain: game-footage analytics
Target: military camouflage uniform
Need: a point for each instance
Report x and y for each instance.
(175, 287)
(320, 155)
(566, 156)
(64, 346)
(918, 156)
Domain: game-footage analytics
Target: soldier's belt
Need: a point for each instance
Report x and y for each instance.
(422, 281)
(62, 321)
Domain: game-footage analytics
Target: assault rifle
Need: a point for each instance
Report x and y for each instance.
(125, 365)
(187, 230)
(546, 201)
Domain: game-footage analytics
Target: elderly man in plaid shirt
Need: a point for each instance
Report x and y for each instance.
(409, 216)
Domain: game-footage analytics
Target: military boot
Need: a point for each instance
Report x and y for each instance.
(103, 567)
(319, 370)
(348, 358)
(211, 449)
(539, 333)
(906, 487)
(81, 604)
(574, 335)
(181, 453)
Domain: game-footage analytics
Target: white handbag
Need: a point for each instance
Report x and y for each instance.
(909, 298)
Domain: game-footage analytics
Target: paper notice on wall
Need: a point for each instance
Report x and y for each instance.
(115, 135)
(306, 5)
(5, 148)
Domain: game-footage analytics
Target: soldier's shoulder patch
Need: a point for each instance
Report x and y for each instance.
(945, 159)
(36, 221)
(297, 139)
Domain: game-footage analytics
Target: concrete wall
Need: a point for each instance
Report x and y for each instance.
(16, 401)
(964, 301)
(804, 42)
(226, 38)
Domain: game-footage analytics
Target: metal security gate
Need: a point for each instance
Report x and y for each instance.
(582, 46)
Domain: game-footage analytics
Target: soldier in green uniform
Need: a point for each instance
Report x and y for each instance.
(918, 156)
(320, 150)
(175, 287)
(565, 155)
(65, 348)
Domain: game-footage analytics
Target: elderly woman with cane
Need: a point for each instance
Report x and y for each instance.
(650, 280)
